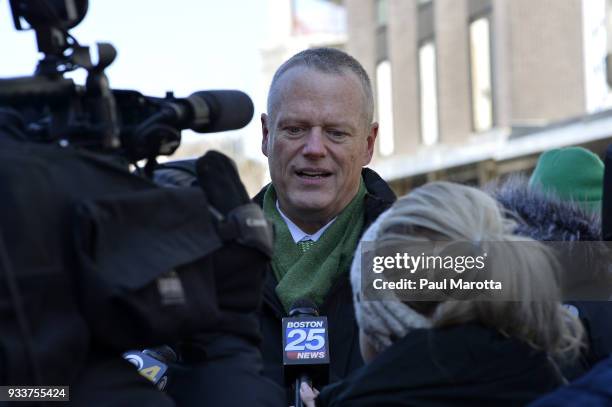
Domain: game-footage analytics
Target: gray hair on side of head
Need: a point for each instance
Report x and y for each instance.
(461, 213)
(330, 61)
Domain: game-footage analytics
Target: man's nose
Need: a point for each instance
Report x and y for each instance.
(315, 143)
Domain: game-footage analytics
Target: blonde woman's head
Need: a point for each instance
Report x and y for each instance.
(444, 211)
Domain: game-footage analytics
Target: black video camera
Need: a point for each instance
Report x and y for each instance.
(94, 259)
(94, 116)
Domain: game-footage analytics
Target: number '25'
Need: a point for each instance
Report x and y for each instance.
(314, 340)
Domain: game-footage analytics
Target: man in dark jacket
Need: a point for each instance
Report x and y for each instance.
(317, 135)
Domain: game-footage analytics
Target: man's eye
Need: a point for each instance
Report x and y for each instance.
(293, 130)
(335, 134)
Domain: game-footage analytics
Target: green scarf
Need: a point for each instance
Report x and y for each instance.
(312, 274)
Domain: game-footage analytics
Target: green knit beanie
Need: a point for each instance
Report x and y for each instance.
(571, 173)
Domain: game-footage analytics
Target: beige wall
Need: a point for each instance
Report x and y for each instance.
(362, 33)
(452, 49)
(545, 59)
(501, 66)
(401, 40)
(361, 19)
(402, 46)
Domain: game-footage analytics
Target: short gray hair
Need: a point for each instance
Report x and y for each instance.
(331, 61)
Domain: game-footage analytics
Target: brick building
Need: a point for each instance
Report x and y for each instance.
(471, 89)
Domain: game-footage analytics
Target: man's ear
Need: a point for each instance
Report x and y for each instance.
(265, 133)
(370, 141)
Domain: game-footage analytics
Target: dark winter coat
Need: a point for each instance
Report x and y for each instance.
(462, 365)
(546, 218)
(593, 389)
(338, 305)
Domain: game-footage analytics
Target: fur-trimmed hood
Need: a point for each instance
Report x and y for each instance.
(547, 218)
(544, 217)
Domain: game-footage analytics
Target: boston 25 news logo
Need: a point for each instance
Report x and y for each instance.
(305, 340)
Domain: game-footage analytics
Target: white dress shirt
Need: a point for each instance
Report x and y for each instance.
(298, 234)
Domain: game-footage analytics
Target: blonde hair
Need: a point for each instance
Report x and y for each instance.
(456, 212)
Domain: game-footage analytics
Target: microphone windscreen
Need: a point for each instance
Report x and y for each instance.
(228, 110)
(303, 306)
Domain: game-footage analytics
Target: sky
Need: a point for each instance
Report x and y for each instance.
(181, 45)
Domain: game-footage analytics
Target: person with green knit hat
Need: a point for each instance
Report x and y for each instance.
(318, 135)
(571, 174)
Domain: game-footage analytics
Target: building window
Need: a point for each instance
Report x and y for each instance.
(382, 20)
(382, 15)
(429, 93)
(596, 46)
(384, 102)
(310, 17)
(609, 44)
(480, 71)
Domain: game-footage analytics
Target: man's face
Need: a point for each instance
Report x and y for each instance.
(317, 139)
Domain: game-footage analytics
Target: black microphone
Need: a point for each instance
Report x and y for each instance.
(211, 111)
(606, 206)
(305, 347)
